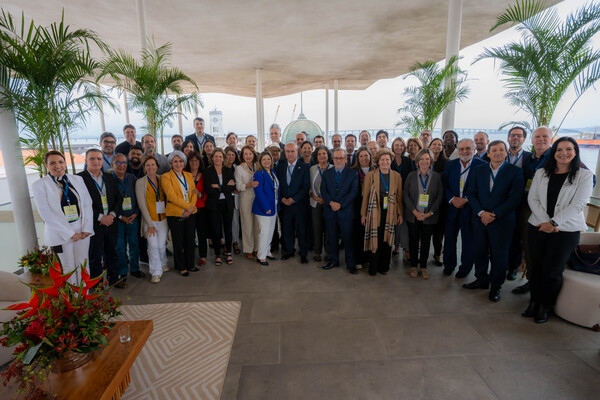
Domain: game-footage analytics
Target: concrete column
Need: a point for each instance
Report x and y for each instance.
(140, 6)
(180, 119)
(17, 182)
(596, 191)
(101, 112)
(327, 114)
(452, 49)
(335, 106)
(126, 108)
(260, 112)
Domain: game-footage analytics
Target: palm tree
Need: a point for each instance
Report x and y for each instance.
(551, 57)
(46, 80)
(151, 81)
(436, 90)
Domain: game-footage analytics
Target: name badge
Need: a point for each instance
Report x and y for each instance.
(71, 213)
(127, 204)
(104, 203)
(461, 185)
(423, 200)
(160, 207)
(385, 203)
(528, 184)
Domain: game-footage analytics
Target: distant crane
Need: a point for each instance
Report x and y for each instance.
(294, 112)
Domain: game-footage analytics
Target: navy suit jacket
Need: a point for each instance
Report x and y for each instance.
(344, 194)
(264, 195)
(451, 177)
(192, 138)
(505, 196)
(299, 184)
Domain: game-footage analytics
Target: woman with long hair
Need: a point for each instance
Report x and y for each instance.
(154, 227)
(195, 167)
(558, 196)
(231, 161)
(207, 148)
(265, 205)
(187, 147)
(402, 165)
(245, 184)
(306, 150)
(316, 202)
(439, 163)
(381, 211)
(219, 185)
(363, 164)
(423, 196)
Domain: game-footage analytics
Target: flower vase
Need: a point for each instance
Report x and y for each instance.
(41, 280)
(71, 360)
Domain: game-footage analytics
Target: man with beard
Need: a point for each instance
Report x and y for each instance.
(382, 139)
(363, 138)
(124, 147)
(318, 141)
(300, 138)
(481, 140)
(135, 161)
(459, 214)
(426, 138)
(149, 146)
(350, 146)
(176, 142)
(108, 141)
(336, 142)
(450, 139)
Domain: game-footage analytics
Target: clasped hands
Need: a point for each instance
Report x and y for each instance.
(547, 227)
(80, 236)
(487, 217)
(128, 220)
(288, 201)
(188, 212)
(421, 216)
(459, 202)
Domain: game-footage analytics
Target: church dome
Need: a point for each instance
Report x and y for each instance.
(301, 124)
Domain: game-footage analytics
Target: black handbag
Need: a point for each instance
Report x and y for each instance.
(586, 258)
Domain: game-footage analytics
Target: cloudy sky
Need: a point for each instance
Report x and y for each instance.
(375, 107)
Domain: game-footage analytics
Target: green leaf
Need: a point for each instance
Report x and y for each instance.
(30, 353)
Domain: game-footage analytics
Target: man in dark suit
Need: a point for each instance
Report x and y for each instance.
(107, 205)
(457, 178)
(293, 194)
(198, 138)
(482, 140)
(350, 152)
(494, 194)
(339, 187)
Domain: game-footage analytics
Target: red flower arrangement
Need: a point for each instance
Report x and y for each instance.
(57, 319)
(38, 261)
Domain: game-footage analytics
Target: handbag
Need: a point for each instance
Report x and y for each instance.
(586, 258)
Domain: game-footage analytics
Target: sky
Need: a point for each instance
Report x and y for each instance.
(376, 107)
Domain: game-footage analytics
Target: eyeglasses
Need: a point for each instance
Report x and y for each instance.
(121, 162)
(339, 158)
(516, 135)
(109, 142)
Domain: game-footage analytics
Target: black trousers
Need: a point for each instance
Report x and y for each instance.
(182, 235)
(418, 231)
(380, 260)
(201, 222)
(549, 254)
(222, 216)
(361, 256)
(103, 247)
(438, 232)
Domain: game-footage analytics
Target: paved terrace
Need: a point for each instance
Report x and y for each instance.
(305, 333)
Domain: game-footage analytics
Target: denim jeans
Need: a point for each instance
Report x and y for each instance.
(127, 239)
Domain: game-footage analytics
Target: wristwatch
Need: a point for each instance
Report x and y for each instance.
(554, 224)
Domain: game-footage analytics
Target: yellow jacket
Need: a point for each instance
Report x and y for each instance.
(176, 204)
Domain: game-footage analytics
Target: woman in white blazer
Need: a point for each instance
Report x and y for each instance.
(558, 196)
(245, 184)
(65, 206)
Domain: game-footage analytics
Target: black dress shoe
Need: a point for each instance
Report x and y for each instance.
(477, 284)
(353, 270)
(461, 274)
(524, 288)
(494, 294)
(448, 272)
(303, 260)
(541, 315)
(531, 310)
(287, 256)
(511, 275)
(263, 263)
(138, 274)
(271, 258)
(329, 266)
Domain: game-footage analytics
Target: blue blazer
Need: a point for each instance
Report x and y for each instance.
(451, 177)
(344, 194)
(264, 195)
(504, 198)
(299, 184)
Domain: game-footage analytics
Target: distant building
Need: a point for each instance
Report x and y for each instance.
(311, 128)
(216, 123)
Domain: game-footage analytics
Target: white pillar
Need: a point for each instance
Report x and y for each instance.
(452, 49)
(17, 182)
(260, 112)
(596, 191)
(126, 108)
(179, 119)
(101, 110)
(327, 113)
(140, 6)
(335, 106)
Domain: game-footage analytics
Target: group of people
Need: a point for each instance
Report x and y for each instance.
(510, 206)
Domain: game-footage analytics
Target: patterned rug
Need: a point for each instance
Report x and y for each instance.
(187, 354)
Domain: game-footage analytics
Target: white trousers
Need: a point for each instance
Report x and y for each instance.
(74, 255)
(157, 249)
(267, 227)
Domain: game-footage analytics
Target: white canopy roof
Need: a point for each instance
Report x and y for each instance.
(300, 45)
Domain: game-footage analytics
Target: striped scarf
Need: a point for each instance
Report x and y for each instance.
(372, 223)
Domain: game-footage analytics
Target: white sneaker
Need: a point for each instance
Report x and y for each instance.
(165, 268)
(155, 279)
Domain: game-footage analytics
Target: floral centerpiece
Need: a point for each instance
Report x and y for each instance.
(38, 261)
(58, 321)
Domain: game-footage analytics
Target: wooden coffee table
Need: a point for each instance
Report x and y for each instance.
(106, 376)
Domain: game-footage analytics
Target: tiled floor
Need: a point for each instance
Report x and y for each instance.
(305, 333)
